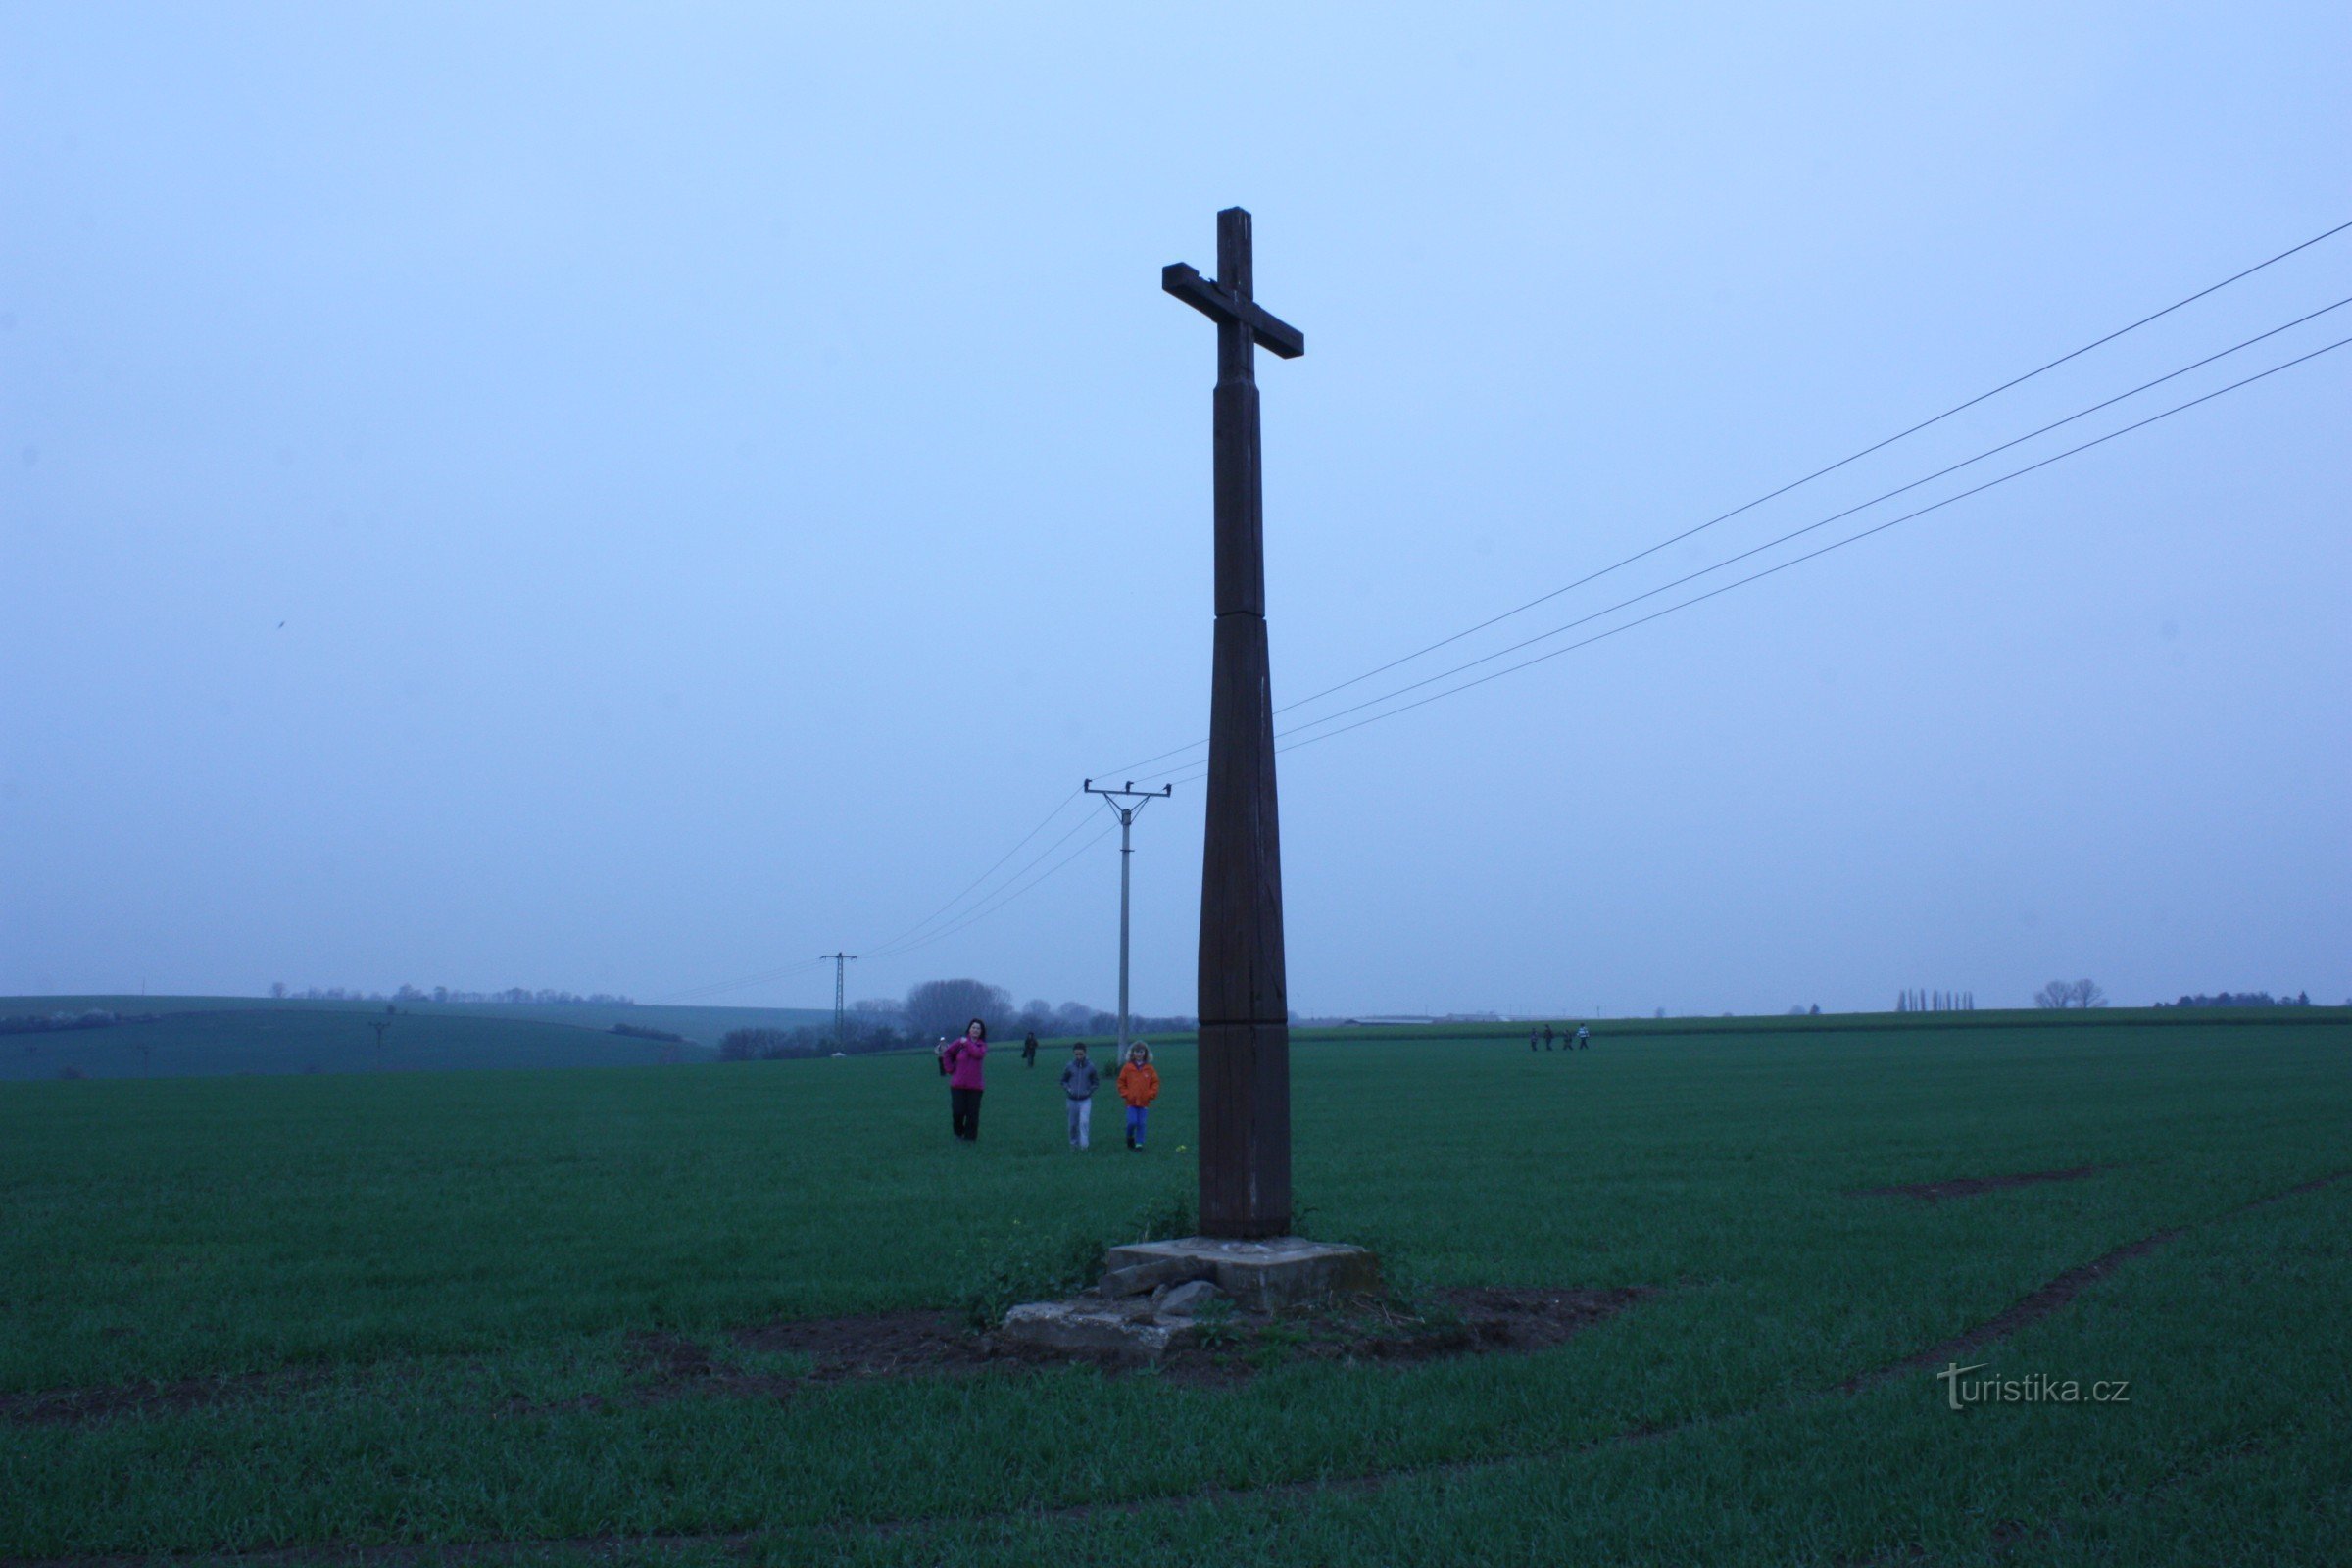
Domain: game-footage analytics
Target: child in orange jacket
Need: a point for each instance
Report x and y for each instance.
(1139, 1086)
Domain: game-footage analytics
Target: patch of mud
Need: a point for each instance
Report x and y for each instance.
(879, 1345)
(2062, 1289)
(885, 1344)
(2298, 1190)
(1477, 1321)
(1971, 1186)
(1235, 1348)
(67, 1406)
(1480, 1320)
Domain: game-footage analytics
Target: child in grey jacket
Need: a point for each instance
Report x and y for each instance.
(1078, 1082)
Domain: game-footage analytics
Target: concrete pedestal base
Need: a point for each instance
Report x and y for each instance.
(1260, 1276)
(1150, 1292)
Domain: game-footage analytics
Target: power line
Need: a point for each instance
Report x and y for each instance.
(1060, 806)
(1195, 770)
(1876, 445)
(1772, 495)
(909, 940)
(719, 987)
(1812, 555)
(1009, 893)
(1012, 887)
(1811, 527)
(904, 945)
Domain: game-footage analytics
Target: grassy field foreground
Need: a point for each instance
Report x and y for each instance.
(426, 1297)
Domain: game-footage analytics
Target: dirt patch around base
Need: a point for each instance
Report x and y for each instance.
(67, 1406)
(1971, 1186)
(885, 1345)
(878, 1345)
(1498, 1318)
(1477, 1321)
(1483, 1320)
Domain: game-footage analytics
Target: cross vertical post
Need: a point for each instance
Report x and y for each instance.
(1243, 995)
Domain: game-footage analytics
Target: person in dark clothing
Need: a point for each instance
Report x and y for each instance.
(1548, 1037)
(1029, 1050)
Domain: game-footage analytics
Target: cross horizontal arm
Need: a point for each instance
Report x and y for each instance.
(1275, 335)
(1188, 285)
(1217, 303)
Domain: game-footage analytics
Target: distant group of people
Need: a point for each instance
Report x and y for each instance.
(1540, 1039)
(961, 1062)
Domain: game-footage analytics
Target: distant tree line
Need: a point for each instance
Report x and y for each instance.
(808, 1040)
(939, 1009)
(516, 995)
(39, 1023)
(1933, 1001)
(638, 1031)
(934, 1010)
(2245, 998)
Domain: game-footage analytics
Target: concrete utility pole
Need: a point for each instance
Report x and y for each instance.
(841, 963)
(1126, 816)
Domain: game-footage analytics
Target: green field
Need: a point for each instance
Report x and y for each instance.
(416, 1306)
(200, 1035)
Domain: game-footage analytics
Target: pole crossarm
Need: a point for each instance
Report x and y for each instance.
(1142, 797)
(1222, 306)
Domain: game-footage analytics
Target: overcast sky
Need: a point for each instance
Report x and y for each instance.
(632, 499)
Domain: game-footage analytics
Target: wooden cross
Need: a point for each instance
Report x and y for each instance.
(1245, 999)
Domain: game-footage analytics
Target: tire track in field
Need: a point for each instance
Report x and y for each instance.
(2029, 1309)
(2040, 1303)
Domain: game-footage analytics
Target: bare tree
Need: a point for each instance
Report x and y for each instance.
(944, 1006)
(752, 1044)
(2071, 993)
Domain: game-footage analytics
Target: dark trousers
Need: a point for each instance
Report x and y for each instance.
(964, 1111)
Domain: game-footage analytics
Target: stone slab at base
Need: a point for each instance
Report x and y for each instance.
(1262, 1276)
(1128, 1331)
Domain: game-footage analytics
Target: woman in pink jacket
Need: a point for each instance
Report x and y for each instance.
(962, 1059)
